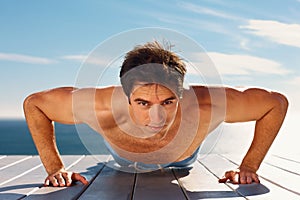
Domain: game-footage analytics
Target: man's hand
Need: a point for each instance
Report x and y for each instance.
(243, 175)
(64, 178)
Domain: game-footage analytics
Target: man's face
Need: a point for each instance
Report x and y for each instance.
(153, 107)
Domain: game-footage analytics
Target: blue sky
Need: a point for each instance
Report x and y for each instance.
(43, 43)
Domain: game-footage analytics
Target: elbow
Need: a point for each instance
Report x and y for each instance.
(29, 103)
(281, 102)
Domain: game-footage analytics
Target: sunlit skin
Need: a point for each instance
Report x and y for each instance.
(158, 112)
(153, 107)
(147, 122)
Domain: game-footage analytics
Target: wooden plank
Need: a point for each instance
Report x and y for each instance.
(28, 182)
(199, 183)
(278, 175)
(157, 185)
(13, 187)
(10, 189)
(291, 157)
(4, 156)
(110, 184)
(285, 164)
(10, 173)
(266, 190)
(88, 166)
(7, 161)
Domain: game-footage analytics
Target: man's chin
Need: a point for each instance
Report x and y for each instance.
(156, 129)
(150, 131)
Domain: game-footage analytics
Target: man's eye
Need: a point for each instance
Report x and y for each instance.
(168, 102)
(142, 103)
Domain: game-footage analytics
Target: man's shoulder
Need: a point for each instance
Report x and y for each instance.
(207, 94)
(109, 94)
(220, 88)
(109, 90)
(96, 94)
(203, 90)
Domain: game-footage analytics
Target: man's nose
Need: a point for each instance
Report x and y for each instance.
(157, 114)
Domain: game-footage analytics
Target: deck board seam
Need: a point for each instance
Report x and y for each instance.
(283, 169)
(288, 159)
(31, 192)
(16, 162)
(281, 186)
(3, 156)
(266, 179)
(39, 187)
(75, 162)
(92, 180)
(20, 175)
(237, 192)
(133, 186)
(180, 185)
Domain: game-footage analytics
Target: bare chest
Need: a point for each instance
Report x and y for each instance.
(180, 141)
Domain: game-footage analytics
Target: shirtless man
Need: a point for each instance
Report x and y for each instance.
(152, 119)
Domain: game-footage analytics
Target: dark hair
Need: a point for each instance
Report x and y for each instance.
(152, 63)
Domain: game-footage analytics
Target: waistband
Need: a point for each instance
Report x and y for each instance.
(143, 167)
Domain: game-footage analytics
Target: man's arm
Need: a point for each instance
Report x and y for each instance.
(41, 110)
(268, 109)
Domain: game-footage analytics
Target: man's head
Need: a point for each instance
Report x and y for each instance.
(152, 78)
(152, 63)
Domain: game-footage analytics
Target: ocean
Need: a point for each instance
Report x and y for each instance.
(71, 140)
(80, 139)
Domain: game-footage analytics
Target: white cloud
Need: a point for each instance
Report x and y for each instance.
(25, 59)
(207, 11)
(237, 64)
(287, 34)
(88, 59)
(79, 58)
(194, 24)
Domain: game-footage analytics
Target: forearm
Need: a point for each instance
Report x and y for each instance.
(42, 132)
(266, 130)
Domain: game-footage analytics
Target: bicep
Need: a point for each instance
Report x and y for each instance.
(249, 105)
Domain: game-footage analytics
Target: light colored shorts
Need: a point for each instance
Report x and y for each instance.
(139, 166)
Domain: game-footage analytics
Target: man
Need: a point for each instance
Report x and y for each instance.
(152, 121)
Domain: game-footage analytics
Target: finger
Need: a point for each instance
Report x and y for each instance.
(229, 175)
(255, 178)
(46, 182)
(249, 179)
(235, 178)
(242, 179)
(223, 180)
(67, 177)
(78, 177)
(60, 179)
(53, 181)
(225, 177)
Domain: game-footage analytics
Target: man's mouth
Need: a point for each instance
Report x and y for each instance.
(156, 128)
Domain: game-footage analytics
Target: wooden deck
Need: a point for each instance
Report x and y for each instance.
(21, 177)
